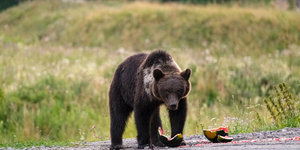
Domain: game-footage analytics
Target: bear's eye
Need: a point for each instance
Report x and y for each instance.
(179, 92)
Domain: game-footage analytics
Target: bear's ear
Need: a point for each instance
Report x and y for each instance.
(186, 74)
(158, 74)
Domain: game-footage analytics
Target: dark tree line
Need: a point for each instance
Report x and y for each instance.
(4, 4)
(216, 1)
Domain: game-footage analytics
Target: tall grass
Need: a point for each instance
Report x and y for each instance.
(138, 26)
(57, 61)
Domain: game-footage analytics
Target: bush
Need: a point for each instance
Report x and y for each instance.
(283, 107)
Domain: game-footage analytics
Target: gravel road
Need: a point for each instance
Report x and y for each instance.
(287, 138)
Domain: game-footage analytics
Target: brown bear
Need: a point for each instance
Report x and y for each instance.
(141, 84)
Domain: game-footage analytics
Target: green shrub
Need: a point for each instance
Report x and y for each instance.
(283, 107)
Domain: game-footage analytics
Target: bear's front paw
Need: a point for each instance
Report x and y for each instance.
(143, 146)
(116, 147)
(158, 144)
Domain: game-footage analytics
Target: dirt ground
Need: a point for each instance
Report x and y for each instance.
(284, 138)
(287, 138)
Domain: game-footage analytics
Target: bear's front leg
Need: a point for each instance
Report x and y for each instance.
(142, 116)
(177, 117)
(155, 123)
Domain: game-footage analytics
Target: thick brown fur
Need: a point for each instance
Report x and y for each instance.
(141, 84)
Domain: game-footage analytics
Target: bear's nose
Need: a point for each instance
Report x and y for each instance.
(173, 106)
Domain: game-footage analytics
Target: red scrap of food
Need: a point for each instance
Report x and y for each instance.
(225, 129)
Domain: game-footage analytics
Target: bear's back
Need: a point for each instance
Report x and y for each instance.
(125, 77)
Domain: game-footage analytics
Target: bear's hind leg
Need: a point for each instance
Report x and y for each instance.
(119, 113)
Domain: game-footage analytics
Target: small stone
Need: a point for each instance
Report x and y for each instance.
(283, 134)
(289, 133)
(283, 130)
(274, 135)
(262, 135)
(43, 147)
(72, 143)
(254, 133)
(2, 148)
(288, 129)
(9, 148)
(241, 135)
(200, 137)
(248, 136)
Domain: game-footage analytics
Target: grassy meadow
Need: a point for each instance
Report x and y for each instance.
(57, 60)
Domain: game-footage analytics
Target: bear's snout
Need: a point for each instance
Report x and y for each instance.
(172, 102)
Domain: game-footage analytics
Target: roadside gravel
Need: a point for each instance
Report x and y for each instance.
(287, 138)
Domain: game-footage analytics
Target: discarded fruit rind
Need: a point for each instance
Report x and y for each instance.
(212, 134)
(224, 139)
(172, 142)
(225, 129)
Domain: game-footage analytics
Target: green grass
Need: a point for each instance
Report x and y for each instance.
(57, 61)
(36, 144)
(139, 26)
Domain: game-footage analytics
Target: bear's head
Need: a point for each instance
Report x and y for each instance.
(171, 87)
